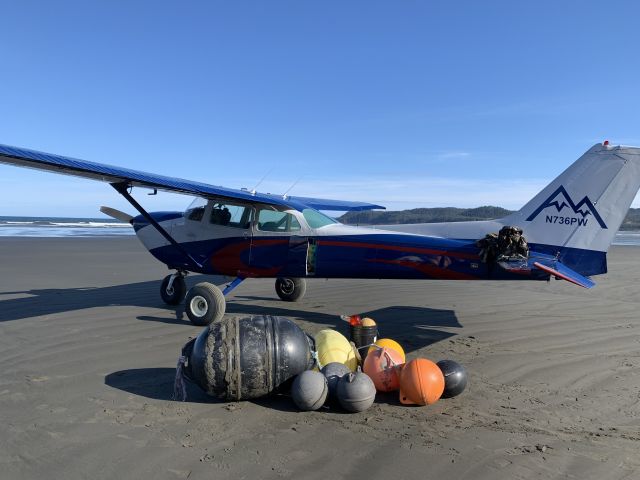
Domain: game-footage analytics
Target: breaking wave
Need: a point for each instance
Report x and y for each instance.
(61, 227)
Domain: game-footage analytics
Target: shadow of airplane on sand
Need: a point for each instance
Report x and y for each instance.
(413, 327)
(50, 301)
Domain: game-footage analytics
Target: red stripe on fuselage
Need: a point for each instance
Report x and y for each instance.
(227, 260)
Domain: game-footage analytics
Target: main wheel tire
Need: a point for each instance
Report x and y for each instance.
(176, 293)
(291, 289)
(205, 304)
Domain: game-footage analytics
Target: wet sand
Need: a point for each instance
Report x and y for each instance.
(88, 352)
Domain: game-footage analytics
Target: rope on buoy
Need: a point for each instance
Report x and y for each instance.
(316, 359)
(179, 387)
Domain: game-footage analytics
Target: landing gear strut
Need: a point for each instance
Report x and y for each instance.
(291, 289)
(173, 288)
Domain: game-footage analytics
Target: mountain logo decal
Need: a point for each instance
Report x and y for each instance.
(560, 200)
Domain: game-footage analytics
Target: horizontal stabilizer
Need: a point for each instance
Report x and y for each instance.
(559, 270)
(117, 214)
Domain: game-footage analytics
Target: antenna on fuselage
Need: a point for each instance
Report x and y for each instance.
(284, 195)
(253, 190)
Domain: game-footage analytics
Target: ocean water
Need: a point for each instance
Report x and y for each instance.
(100, 227)
(62, 227)
(627, 238)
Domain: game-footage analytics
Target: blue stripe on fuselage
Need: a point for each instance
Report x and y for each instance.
(369, 256)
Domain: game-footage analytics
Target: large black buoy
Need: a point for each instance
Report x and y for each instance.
(244, 358)
(455, 378)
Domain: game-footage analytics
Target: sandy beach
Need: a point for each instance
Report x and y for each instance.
(88, 352)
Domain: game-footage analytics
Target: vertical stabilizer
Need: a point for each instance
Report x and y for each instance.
(584, 207)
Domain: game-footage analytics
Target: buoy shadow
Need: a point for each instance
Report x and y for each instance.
(154, 383)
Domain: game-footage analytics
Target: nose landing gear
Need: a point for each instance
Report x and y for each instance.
(173, 288)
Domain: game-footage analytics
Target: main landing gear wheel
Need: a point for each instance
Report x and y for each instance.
(205, 304)
(291, 289)
(174, 294)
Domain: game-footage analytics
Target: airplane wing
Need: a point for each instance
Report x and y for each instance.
(107, 173)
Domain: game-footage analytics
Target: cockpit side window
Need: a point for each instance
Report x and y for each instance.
(229, 215)
(275, 221)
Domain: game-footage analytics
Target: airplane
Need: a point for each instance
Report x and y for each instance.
(568, 227)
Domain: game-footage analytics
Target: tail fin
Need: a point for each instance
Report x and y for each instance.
(578, 214)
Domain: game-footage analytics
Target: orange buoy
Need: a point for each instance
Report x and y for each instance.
(382, 366)
(421, 382)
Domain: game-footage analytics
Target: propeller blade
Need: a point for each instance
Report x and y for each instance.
(117, 214)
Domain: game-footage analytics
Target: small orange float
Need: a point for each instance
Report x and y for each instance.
(421, 382)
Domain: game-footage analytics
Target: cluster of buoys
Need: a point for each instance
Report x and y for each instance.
(336, 379)
(384, 369)
(239, 359)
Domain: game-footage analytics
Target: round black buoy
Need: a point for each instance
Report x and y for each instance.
(333, 372)
(455, 378)
(309, 390)
(243, 358)
(356, 392)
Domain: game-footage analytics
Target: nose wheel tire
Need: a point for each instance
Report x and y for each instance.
(175, 294)
(291, 289)
(205, 304)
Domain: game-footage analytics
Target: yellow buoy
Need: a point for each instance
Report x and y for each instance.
(368, 322)
(388, 343)
(334, 347)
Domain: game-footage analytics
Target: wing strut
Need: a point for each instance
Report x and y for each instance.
(122, 188)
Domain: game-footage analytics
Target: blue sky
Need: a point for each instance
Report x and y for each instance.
(407, 104)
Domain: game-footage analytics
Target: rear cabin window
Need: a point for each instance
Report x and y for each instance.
(228, 215)
(274, 221)
(315, 219)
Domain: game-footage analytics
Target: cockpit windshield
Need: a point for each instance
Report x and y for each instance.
(315, 219)
(195, 211)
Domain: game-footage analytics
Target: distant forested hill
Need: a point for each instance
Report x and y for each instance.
(451, 214)
(424, 215)
(632, 220)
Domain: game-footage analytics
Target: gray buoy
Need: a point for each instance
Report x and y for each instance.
(333, 372)
(356, 392)
(309, 390)
(455, 378)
